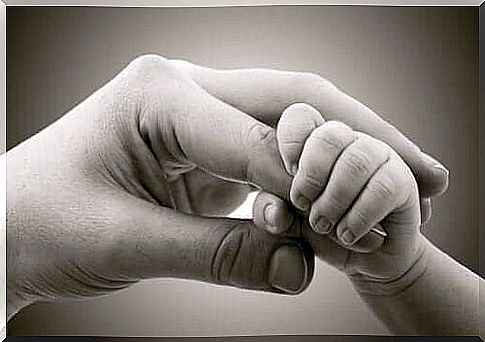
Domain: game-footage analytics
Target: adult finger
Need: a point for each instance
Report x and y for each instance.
(150, 241)
(265, 93)
(294, 127)
(185, 125)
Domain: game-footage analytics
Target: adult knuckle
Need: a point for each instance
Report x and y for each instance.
(227, 253)
(313, 86)
(149, 59)
(148, 62)
(315, 80)
(325, 86)
(303, 79)
(311, 77)
(153, 67)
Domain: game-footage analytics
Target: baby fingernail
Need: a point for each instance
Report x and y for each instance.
(303, 203)
(322, 225)
(288, 269)
(293, 169)
(270, 215)
(347, 237)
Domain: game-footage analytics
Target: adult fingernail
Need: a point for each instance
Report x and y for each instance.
(438, 169)
(322, 225)
(288, 269)
(347, 237)
(303, 203)
(441, 171)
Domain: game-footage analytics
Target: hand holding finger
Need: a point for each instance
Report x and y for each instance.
(265, 94)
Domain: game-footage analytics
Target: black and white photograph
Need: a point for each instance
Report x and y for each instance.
(242, 170)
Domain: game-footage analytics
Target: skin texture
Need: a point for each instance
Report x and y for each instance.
(131, 183)
(107, 206)
(353, 182)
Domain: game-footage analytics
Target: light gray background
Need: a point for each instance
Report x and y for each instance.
(417, 67)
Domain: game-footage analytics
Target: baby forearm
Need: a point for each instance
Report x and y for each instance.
(442, 300)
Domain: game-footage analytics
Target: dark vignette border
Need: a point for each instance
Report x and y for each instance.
(329, 338)
(274, 338)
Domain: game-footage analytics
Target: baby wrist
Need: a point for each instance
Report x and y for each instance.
(367, 285)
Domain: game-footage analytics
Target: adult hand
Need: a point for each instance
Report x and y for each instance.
(102, 198)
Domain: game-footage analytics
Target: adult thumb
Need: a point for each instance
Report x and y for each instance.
(153, 241)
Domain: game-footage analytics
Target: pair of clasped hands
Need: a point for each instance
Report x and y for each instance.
(135, 183)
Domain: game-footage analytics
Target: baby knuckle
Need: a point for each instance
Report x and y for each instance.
(357, 163)
(294, 134)
(384, 187)
(373, 147)
(312, 178)
(359, 221)
(260, 135)
(333, 133)
(330, 205)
